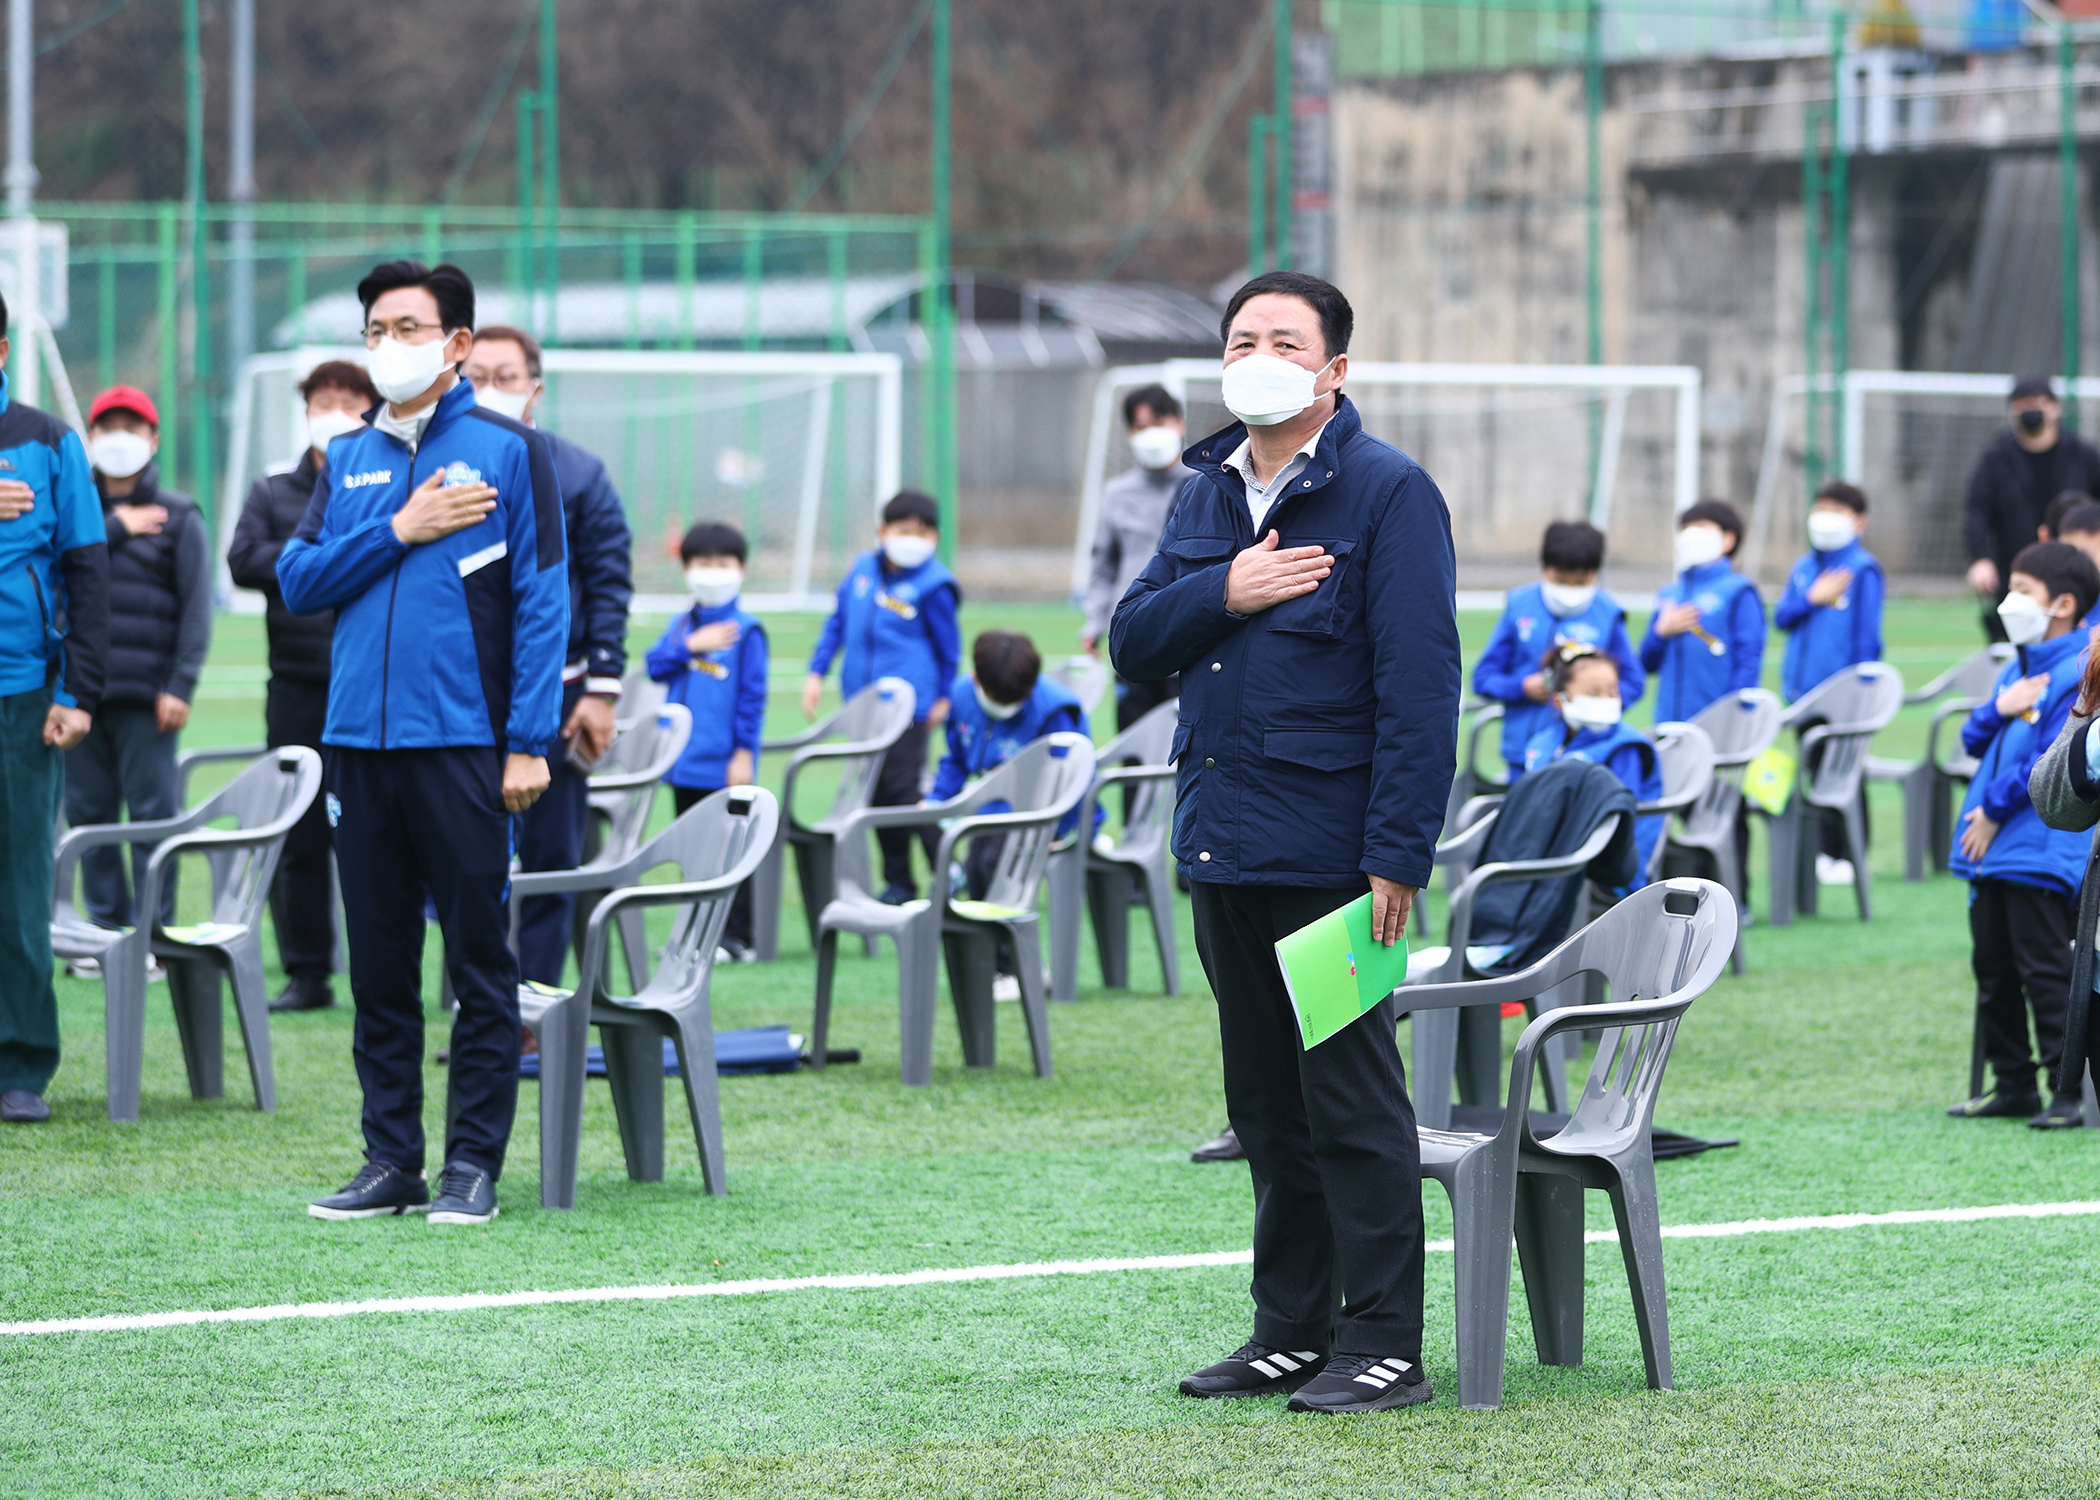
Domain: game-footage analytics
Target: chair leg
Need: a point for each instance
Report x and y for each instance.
(827, 945)
(765, 898)
(1554, 1056)
(1028, 964)
(1071, 888)
(703, 1094)
(971, 959)
(634, 942)
(816, 877)
(634, 1066)
(1480, 1054)
(124, 1023)
(200, 1021)
(251, 1006)
(1917, 819)
(1856, 846)
(1549, 1247)
(1634, 1205)
(1483, 1206)
(1159, 901)
(1435, 1060)
(564, 1032)
(1808, 843)
(1976, 1053)
(1784, 834)
(918, 990)
(1941, 840)
(1108, 903)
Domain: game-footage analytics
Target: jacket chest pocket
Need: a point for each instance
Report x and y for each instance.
(1323, 611)
(1192, 554)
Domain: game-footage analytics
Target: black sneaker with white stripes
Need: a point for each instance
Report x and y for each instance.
(379, 1190)
(1364, 1382)
(1255, 1370)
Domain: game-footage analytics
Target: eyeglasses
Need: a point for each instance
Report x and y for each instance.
(408, 330)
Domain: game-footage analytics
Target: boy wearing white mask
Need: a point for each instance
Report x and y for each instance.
(896, 617)
(2023, 875)
(1587, 725)
(712, 659)
(1134, 510)
(1564, 606)
(1707, 636)
(159, 632)
(302, 902)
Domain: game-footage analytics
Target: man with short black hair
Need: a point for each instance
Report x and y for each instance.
(438, 544)
(504, 367)
(1134, 509)
(2026, 465)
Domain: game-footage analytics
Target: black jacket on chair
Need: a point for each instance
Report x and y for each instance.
(159, 598)
(276, 504)
(1547, 815)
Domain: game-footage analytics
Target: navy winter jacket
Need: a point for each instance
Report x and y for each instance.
(725, 691)
(1690, 673)
(453, 642)
(2025, 851)
(1523, 636)
(54, 564)
(601, 571)
(894, 623)
(1824, 639)
(1316, 739)
(1627, 754)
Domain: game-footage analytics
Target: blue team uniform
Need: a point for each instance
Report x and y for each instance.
(894, 622)
(1824, 639)
(2026, 851)
(1689, 674)
(1626, 753)
(978, 743)
(1524, 636)
(725, 691)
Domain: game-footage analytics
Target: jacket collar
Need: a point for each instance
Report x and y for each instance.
(450, 406)
(1712, 572)
(2046, 656)
(146, 493)
(1209, 455)
(1851, 555)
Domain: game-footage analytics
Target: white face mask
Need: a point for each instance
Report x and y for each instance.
(1263, 390)
(1697, 546)
(711, 587)
(1828, 531)
(324, 427)
(1564, 599)
(2025, 621)
(907, 552)
(993, 707)
(403, 372)
(510, 404)
(1590, 713)
(1156, 447)
(120, 454)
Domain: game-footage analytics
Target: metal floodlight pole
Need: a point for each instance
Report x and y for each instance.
(942, 459)
(1280, 142)
(199, 405)
(240, 182)
(550, 162)
(2067, 174)
(21, 191)
(1840, 240)
(528, 221)
(1257, 194)
(1593, 290)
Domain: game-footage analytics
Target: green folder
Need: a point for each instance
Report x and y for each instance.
(1335, 973)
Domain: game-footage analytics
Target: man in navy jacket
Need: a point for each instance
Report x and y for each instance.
(438, 544)
(1305, 590)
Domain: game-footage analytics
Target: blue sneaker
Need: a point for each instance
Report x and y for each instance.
(897, 895)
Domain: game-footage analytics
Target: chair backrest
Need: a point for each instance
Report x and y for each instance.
(624, 782)
(1088, 678)
(874, 718)
(1685, 756)
(1148, 742)
(1741, 726)
(1047, 778)
(640, 696)
(1854, 704)
(266, 799)
(721, 837)
(1971, 677)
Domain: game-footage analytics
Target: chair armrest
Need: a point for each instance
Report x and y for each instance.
(1465, 844)
(1666, 805)
(1507, 871)
(590, 975)
(187, 762)
(1475, 809)
(1132, 775)
(963, 828)
(1940, 715)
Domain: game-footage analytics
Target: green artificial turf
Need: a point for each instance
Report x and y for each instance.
(1945, 1359)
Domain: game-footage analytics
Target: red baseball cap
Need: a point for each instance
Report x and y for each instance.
(124, 398)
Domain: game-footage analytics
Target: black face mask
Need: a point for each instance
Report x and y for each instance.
(2033, 420)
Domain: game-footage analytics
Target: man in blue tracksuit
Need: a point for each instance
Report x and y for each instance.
(2023, 875)
(1707, 636)
(504, 369)
(1305, 590)
(438, 543)
(896, 617)
(1565, 605)
(54, 644)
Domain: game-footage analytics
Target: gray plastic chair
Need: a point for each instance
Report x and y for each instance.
(1473, 779)
(1854, 705)
(1930, 781)
(264, 801)
(1685, 756)
(1042, 783)
(1742, 725)
(640, 697)
(1087, 676)
(856, 737)
(1104, 880)
(624, 788)
(1655, 953)
(714, 847)
(1440, 1036)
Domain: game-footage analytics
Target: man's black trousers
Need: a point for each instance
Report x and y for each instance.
(302, 907)
(407, 822)
(550, 837)
(2021, 950)
(898, 784)
(1329, 1133)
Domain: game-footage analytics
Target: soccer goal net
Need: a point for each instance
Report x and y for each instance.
(799, 450)
(1511, 446)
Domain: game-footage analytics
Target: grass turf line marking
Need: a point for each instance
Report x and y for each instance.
(480, 1301)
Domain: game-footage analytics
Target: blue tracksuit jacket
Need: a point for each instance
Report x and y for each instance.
(725, 691)
(1523, 636)
(1317, 739)
(1688, 674)
(455, 642)
(2026, 850)
(1626, 753)
(1824, 639)
(894, 624)
(978, 743)
(54, 564)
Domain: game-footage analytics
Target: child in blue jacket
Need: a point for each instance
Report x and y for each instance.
(896, 617)
(2024, 875)
(1706, 638)
(1587, 725)
(712, 659)
(1565, 605)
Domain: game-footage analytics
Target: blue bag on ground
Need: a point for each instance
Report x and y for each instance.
(756, 1049)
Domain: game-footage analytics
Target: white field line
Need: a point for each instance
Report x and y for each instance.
(479, 1301)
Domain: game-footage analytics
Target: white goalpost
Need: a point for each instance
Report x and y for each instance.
(800, 450)
(1512, 446)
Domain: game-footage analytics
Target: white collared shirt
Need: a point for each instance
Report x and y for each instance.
(1261, 497)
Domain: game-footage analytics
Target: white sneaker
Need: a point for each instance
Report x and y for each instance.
(1006, 988)
(84, 968)
(1104, 845)
(1833, 871)
(156, 971)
